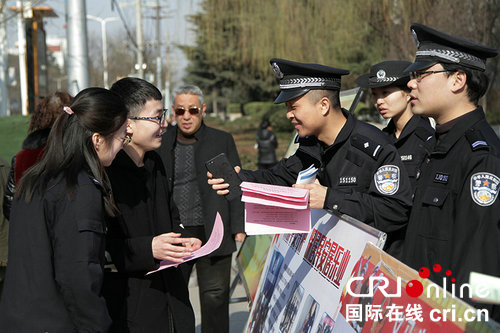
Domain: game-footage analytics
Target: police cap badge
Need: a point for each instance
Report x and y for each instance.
(386, 73)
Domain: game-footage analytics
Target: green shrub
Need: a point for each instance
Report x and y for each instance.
(13, 131)
(234, 108)
(280, 122)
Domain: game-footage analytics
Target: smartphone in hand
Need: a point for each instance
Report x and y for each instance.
(220, 167)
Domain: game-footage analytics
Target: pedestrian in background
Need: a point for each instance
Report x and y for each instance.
(56, 238)
(185, 149)
(266, 145)
(42, 119)
(4, 223)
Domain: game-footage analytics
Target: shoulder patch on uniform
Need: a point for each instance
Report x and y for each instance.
(484, 188)
(476, 140)
(366, 145)
(387, 179)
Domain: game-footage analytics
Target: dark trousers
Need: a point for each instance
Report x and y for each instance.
(213, 282)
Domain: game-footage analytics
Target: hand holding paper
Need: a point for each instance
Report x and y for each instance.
(317, 194)
(171, 246)
(213, 244)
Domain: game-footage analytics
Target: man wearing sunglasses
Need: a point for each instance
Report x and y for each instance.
(185, 149)
(455, 219)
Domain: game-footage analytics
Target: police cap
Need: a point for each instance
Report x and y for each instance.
(434, 46)
(297, 78)
(386, 73)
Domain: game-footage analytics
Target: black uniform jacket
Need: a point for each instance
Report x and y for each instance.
(56, 258)
(362, 170)
(412, 144)
(210, 142)
(455, 220)
(135, 299)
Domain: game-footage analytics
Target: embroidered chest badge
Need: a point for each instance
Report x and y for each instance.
(387, 179)
(484, 188)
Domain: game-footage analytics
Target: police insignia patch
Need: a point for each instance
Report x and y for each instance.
(387, 179)
(415, 38)
(484, 188)
(381, 74)
(277, 71)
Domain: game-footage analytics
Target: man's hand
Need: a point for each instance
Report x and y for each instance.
(171, 246)
(317, 193)
(240, 237)
(193, 244)
(218, 183)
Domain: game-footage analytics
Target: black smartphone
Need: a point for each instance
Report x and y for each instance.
(220, 167)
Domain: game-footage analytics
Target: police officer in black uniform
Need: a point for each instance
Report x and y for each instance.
(360, 171)
(455, 220)
(391, 96)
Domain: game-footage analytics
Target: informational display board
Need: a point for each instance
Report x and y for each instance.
(305, 274)
(251, 259)
(384, 295)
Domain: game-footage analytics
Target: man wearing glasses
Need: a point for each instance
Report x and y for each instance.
(455, 220)
(147, 229)
(185, 149)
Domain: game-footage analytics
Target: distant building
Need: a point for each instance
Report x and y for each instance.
(57, 50)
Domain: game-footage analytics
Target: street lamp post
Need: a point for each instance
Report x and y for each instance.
(104, 44)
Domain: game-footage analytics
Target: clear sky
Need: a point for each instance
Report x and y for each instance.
(175, 28)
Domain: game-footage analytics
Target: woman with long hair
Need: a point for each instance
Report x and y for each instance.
(56, 242)
(42, 119)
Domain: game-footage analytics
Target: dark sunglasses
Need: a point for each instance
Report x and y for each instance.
(193, 110)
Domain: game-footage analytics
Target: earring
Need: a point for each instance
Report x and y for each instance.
(127, 139)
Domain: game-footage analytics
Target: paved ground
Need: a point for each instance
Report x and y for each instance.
(238, 312)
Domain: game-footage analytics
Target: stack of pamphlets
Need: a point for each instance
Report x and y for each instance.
(272, 209)
(307, 176)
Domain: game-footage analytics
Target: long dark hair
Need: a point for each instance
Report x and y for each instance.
(70, 148)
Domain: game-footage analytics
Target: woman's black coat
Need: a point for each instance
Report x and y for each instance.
(55, 265)
(137, 300)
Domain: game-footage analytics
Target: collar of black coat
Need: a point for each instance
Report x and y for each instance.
(410, 127)
(123, 161)
(458, 130)
(36, 139)
(171, 133)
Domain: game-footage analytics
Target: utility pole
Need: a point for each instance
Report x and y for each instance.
(104, 45)
(78, 64)
(140, 66)
(158, 46)
(21, 44)
(4, 92)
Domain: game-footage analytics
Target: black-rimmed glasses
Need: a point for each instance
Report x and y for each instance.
(161, 119)
(193, 110)
(419, 75)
